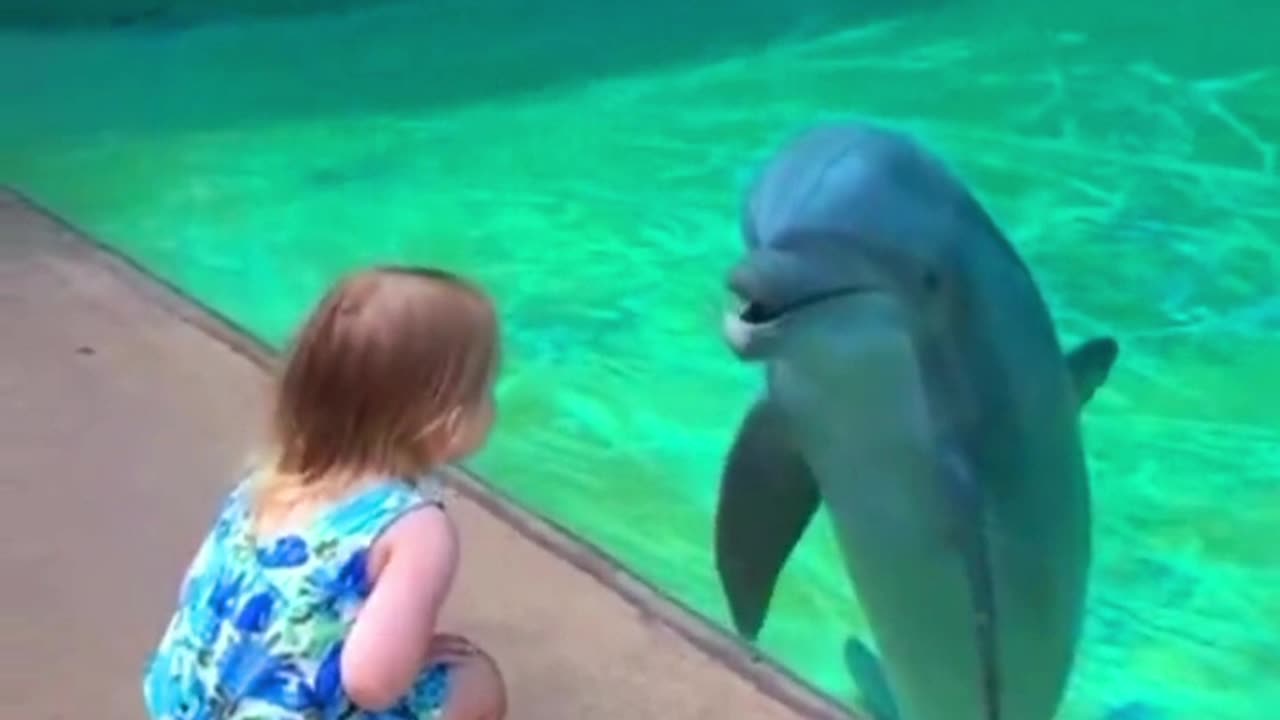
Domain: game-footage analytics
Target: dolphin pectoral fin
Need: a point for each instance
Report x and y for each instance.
(767, 497)
(868, 676)
(1090, 363)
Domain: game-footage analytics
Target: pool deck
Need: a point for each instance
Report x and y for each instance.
(124, 410)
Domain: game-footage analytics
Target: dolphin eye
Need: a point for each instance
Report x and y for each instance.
(931, 281)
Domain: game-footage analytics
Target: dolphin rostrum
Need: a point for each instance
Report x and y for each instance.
(916, 386)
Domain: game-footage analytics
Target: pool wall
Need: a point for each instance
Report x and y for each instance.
(53, 14)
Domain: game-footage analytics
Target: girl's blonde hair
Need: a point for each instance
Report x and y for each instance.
(375, 382)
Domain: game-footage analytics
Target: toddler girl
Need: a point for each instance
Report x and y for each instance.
(317, 591)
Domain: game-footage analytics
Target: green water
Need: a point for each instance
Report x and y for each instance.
(1129, 150)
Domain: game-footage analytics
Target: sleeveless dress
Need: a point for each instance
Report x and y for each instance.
(260, 624)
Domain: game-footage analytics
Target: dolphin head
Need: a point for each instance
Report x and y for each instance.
(849, 223)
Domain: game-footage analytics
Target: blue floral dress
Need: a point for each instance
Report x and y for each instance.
(260, 624)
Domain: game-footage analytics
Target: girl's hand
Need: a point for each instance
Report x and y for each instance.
(449, 648)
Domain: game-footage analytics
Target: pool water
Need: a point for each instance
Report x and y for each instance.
(1130, 151)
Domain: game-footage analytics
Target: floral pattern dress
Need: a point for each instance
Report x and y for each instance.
(260, 624)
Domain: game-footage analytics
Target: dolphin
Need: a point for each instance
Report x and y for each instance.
(915, 386)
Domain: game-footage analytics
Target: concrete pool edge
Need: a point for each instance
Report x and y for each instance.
(652, 603)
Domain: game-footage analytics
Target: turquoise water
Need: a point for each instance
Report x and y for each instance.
(586, 165)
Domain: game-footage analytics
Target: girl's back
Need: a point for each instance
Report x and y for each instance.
(261, 620)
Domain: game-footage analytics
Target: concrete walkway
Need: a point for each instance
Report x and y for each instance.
(122, 421)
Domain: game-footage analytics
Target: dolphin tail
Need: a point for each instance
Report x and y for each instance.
(868, 676)
(767, 497)
(1090, 363)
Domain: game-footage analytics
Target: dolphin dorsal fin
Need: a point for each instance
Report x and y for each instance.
(1090, 363)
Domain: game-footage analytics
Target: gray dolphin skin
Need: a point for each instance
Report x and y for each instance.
(916, 387)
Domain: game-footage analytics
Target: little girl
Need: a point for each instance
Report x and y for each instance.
(317, 591)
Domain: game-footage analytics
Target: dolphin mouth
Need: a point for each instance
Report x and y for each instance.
(756, 328)
(755, 312)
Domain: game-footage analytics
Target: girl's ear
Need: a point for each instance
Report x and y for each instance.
(453, 422)
(453, 429)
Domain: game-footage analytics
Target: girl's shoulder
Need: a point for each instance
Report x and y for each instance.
(379, 503)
